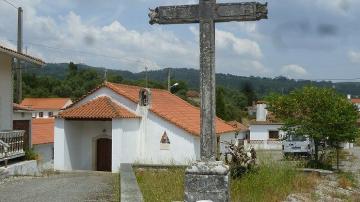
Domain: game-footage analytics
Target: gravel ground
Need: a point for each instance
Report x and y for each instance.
(329, 189)
(81, 186)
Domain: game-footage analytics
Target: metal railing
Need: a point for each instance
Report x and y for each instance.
(11, 145)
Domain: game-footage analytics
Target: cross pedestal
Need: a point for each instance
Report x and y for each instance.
(208, 179)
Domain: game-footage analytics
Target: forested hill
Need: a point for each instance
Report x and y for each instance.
(261, 86)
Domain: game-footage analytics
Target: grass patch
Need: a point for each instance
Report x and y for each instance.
(116, 188)
(161, 184)
(269, 182)
(347, 180)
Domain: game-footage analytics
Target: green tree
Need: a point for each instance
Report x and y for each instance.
(249, 92)
(321, 113)
(220, 103)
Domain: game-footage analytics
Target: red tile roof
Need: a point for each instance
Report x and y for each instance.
(45, 103)
(355, 100)
(239, 126)
(43, 131)
(99, 108)
(168, 106)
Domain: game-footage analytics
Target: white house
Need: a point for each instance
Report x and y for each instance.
(118, 123)
(7, 132)
(265, 133)
(46, 107)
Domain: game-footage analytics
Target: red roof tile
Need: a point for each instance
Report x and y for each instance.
(43, 131)
(99, 108)
(239, 126)
(45, 103)
(171, 108)
(355, 100)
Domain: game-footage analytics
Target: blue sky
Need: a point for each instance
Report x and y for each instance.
(302, 39)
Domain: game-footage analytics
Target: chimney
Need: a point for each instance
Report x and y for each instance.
(261, 111)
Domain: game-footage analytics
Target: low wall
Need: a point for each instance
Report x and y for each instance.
(264, 144)
(24, 168)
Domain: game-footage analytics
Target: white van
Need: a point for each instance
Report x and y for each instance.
(298, 145)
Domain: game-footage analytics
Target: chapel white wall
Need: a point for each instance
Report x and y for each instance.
(6, 93)
(184, 147)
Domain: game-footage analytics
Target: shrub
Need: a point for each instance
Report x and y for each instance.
(240, 160)
(30, 154)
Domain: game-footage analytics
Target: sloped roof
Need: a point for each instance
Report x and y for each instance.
(45, 103)
(17, 107)
(99, 108)
(169, 107)
(21, 56)
(355, 100)
(239, 126)
(43, 131)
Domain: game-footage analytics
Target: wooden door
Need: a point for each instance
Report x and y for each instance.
(103, 154)
(23, 125)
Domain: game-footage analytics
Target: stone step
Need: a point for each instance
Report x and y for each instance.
(3, 173)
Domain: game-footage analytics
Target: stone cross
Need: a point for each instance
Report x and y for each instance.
(207, 13)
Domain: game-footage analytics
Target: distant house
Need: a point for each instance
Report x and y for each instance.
(7, 133)
(241, 134)
(118, 123)
(43, 140)
(265, 131)
(356, 102)
(46, 107)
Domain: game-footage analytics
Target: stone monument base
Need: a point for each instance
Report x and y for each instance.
(207, 181)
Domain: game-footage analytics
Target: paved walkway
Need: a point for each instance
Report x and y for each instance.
(80, 186)
(130, 191)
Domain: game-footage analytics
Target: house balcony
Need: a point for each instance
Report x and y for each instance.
(11, 144)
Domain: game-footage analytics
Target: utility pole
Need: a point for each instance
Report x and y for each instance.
(169, 79)
(19, 49)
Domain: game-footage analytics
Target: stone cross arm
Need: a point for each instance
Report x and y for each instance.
(222, 12)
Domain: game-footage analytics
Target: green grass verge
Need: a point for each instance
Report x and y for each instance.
(116, 188)
(161, 184)
(269, 182)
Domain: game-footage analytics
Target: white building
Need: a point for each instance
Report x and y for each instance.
(265, 133)
(118, 123)
(7, 133)
(46, 107)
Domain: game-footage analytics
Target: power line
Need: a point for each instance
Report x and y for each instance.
(10, 3)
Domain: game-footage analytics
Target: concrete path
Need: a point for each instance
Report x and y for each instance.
(80, 186)
(130, 191)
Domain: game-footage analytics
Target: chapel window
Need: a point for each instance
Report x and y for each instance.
(165, 142)
(165, 139)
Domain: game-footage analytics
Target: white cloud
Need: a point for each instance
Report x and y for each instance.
(227, 41)
(293, 71)
(354, 56)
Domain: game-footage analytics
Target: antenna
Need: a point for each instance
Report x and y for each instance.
(105, 74)
(169, 79)
(146, 76)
